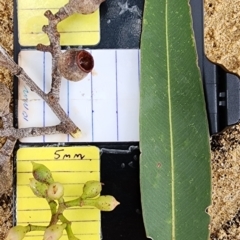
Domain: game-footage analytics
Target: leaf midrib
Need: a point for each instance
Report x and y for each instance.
(170, 123)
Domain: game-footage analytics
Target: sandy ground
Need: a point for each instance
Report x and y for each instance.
(6, 40)
(225, 209)
(222, 44)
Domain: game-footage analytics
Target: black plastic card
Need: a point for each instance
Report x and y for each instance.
(117, 137)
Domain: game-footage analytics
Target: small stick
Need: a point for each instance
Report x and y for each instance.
(55, 106)
(73, 6)
(55, 49)
(33, 131)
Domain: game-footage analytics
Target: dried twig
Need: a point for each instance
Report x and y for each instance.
(70, 127)
(73, 64)
(59, 60)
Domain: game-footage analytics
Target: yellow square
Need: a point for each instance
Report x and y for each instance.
(71, 166)
(76, 30)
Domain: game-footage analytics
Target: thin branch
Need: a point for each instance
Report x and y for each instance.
(7, 121)
(7, 149)
(55, 49)
(33, 131)
(73, 6)
(13, 134)
(8, 129)
(16, 70)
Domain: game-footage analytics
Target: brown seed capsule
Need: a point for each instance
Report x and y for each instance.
(5, 97)
(75, 64)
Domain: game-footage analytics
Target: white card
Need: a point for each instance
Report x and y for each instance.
(104, 105)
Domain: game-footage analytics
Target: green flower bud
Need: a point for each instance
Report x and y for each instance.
(103, 203)
(91, 189)
(41, 173)
(39, 189)
(16, 233)
(106, 203)
(54, 232)
(55, 191)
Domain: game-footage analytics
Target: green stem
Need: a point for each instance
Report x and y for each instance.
(55, 215)
(31, 228)
(73, 203)
(63, 219)
(70, 232)
(60, 201)
(53, 206)
(89, 202)
(79, 202)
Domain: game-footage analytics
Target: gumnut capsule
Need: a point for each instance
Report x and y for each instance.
(39, 189)
(103, 203)
(91, 189)
(54, 232)
(41, 173)
(16, 233)
(75, 64)
(5, 97)
(55, 191)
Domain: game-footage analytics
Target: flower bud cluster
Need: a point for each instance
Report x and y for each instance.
(92, 189)
(43, 184)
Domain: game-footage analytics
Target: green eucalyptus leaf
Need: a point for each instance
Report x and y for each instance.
(175, 174)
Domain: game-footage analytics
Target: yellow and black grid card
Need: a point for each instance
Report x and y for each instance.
(71, 166)
(76, 30)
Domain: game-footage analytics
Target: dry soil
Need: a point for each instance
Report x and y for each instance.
(222, 31)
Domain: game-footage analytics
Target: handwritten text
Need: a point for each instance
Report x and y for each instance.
(60, 154)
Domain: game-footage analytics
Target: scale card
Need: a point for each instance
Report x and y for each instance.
(76, 30)
(71, 166)
(104, 105)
